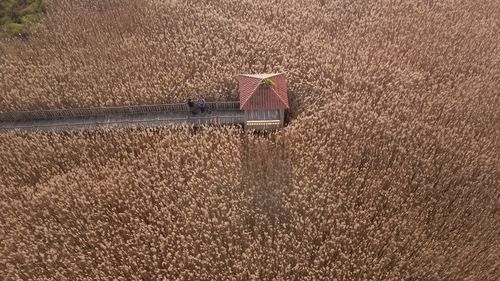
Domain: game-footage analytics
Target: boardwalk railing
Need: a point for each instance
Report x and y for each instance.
(105, 111)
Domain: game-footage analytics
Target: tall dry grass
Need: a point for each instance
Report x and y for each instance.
(389, 169)
(115, 52)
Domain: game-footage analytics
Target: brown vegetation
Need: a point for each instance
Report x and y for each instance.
(389, 169)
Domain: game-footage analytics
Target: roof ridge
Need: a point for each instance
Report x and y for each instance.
(279, 97)
(251, 93)
(253, 86)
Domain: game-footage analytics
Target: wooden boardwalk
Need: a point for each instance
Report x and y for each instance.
(128, 116)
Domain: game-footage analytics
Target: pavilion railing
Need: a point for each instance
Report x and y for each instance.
(105, 111)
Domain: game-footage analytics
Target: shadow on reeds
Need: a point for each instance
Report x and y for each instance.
(266, 180)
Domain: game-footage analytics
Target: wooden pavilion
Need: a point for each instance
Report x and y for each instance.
(263, 100)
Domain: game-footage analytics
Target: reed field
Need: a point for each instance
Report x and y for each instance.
(389, 168)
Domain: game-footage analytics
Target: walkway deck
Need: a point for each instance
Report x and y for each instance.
(146, 116)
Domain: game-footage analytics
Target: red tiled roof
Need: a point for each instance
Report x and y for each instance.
(253, 95)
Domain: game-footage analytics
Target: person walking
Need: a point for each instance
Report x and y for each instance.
(201, 104)
(191, 107)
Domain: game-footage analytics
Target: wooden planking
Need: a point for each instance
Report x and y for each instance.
(127, 120)
(103, 111)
